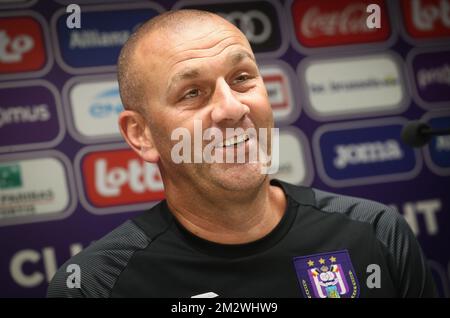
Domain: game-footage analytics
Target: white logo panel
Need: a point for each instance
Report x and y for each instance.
(95, 107)
(353, 86)
(295, 163)
(35, 186)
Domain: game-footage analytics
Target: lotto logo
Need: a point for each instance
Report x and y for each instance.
(21, 45)
(427, 18)
(120, 177)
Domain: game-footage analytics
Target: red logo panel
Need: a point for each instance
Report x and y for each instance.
(21, 45)
(322, 23)
(426, 18)
(119, 177)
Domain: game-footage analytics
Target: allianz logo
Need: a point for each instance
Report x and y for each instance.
(437, 75)
(106, 103)
(24, 114)
(137, 176)
(87, 39)
(368, 152)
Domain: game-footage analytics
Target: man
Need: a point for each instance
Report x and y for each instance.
(225, 229)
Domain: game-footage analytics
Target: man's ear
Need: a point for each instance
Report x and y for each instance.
(137, 134)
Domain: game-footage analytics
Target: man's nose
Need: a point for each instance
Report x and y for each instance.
(227, 106)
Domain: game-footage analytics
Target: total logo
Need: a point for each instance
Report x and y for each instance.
(258, 20)
(22, 46)
(119, 177)
(95, 105)
(331, 23)
(364, 153)
(426, 19)
(278, 80)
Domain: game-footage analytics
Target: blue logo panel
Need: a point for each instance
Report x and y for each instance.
(440, 146)
(365, 152)
(101, 36)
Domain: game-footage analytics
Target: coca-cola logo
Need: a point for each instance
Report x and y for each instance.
(331, 23)
(426, 19)
(350, 20)
(120, 177)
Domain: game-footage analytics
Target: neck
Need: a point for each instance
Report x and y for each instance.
(231, 217)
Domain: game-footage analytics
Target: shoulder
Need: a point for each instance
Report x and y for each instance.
(387, 223)
(100, 264)
(382, 218)
(388, 227)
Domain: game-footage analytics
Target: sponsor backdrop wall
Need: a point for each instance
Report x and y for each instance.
(340, 94)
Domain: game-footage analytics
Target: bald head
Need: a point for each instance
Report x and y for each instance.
(130, 74)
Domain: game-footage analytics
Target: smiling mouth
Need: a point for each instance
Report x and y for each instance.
(233, 141)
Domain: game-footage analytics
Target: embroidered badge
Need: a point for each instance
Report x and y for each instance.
(327, 275)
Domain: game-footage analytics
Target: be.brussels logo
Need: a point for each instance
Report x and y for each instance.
(279, 78)
(35, 187)
(30, 116)
(259, 20)
(325, 24)
(94, 104)
(430, 69)
(426, 19)
(23, 42)
(437, 152)
(364, 152)
(295, 163)
(353, 86)
(105, 29)
(115, 179)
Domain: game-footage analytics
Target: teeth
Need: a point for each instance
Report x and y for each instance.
(234, 140)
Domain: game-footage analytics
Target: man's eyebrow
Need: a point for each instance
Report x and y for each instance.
(237, 56)
(191, 73)
(186, 74)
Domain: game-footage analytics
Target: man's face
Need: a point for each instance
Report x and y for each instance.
(205, 71)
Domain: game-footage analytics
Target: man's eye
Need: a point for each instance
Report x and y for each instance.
(241, 78)
(192, 93)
